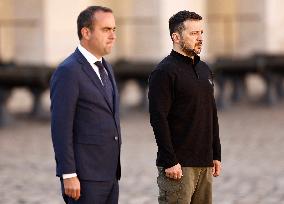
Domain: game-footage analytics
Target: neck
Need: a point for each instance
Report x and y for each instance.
(87, 47)
(179, 50)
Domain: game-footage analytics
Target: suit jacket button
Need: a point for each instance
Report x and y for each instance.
(116, 138)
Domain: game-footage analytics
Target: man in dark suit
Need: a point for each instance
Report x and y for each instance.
(85, 114)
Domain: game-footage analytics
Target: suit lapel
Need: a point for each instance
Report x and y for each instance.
(92, 75)
(116, 97)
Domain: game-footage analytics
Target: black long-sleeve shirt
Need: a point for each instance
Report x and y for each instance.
(183, 112)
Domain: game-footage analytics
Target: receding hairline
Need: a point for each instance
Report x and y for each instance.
(100, 11)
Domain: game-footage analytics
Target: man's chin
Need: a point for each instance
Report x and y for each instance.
(108, 51)
(197, 51)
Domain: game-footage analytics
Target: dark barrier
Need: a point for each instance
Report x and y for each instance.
(134, 70)
(226, 70)
(34, 78)
(234, 71)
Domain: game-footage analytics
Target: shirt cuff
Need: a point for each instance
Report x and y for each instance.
(66, 176)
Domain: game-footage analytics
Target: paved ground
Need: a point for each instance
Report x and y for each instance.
(253, 165)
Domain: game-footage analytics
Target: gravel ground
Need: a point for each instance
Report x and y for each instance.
(252, 148)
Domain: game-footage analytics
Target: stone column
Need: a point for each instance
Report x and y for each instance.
(29, 37)
(251, 31)
(60, 28)
(6, 31)
(221, 27)
(138, 29)
(235, 28)
(274, 18)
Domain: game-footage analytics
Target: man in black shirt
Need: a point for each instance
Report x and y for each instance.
(184, 117)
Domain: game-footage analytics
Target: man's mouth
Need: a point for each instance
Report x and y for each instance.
(199, 45)
(109, 43)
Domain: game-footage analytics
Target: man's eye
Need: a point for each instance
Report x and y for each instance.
(196, 33)
(108, 30)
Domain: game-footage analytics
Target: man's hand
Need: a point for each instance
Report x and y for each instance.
(174, 172)
(72, 187)
(216, 170)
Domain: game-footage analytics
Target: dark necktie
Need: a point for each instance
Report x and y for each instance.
(107, 85)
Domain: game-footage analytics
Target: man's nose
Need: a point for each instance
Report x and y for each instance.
(112, 34)
(200, 37)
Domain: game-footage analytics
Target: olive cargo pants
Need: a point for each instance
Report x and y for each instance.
(195, 187)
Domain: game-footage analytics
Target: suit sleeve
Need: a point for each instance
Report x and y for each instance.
(64, 94)
(160, 101)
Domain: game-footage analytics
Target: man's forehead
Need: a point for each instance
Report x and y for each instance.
(193, 24)
(101, 16)
(104, 19)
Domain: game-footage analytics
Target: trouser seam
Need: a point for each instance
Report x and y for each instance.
(198, 178)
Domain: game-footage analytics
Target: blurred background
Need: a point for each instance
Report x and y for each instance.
(243, 44)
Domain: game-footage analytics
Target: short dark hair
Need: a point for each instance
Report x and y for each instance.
(85, 18)
(176, 22)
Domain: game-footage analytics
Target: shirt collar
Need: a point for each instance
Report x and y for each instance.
(89, 56)
(185, 59)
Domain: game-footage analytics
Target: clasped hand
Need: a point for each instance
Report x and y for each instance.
(72, 187)
(174, 172)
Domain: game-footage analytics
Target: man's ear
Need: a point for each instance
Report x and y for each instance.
(86, 33)
(176, 37)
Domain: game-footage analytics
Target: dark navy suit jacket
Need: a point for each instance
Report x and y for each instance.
(85, 127)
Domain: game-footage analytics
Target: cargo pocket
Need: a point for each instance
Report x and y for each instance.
(169, 189)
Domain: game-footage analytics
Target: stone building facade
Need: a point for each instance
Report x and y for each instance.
(44, 31)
